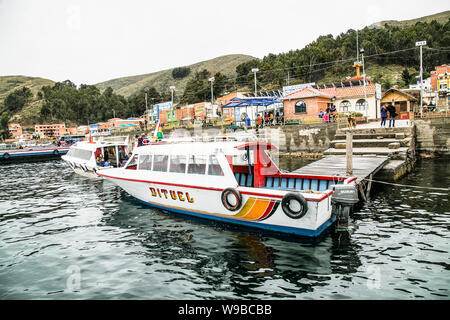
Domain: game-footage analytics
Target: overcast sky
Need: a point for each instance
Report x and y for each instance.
(94, 41)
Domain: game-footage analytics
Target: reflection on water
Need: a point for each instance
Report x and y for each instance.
(65, 237)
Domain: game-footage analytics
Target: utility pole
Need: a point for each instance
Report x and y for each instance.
(357, 46)
(365, 91)
(212, 92)
(171, 90)
(255, 70)
(146, 108)
(421, 44)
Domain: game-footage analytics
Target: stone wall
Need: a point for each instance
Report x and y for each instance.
(433, 137)
(306, 138)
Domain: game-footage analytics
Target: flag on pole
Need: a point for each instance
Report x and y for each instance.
(157, 134)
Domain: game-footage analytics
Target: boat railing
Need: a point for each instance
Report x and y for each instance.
(225, 138)
(113, 139)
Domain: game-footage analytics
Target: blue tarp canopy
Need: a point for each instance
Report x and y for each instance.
(251, 101)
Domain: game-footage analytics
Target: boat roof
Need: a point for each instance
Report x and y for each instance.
(86, 145)
(202, 148)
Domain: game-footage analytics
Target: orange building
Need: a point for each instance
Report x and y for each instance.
(440, 78)
(72, 131)
(305, 104)
(15, 129)
(50, 130)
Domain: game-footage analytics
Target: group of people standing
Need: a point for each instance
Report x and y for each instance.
(388, 112)
(269, 119)
(329, 115)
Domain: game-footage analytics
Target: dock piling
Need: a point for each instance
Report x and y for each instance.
(349, 152)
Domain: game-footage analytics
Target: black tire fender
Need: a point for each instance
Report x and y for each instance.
(55, 152)
(231, 191)
(287, 206)
(6, 155)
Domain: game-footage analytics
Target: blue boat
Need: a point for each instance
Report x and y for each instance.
(32, 153)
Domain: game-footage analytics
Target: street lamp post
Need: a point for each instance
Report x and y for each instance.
(255, 70)
(146, 107)
(172, 88)
(212, 92)
(364, 80)
(421, 44)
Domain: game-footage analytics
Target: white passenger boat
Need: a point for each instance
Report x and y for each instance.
(83, 155)
(231, 181)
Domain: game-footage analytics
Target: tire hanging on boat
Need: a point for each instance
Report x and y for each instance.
(6, 155)
(289, 207)
(55, 152)
(225, 201)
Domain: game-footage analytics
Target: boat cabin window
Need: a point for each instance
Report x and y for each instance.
(132, 163)
(177, 164)
(145, 162)
(160, 162)
(214, 168)
(80, 153)
(197, 164)
(110, 155)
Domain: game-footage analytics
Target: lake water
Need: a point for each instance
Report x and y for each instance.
(65, 237)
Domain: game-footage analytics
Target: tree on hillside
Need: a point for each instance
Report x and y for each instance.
(136, 102)
(16, 100)
(337, 54)
(4, 129)
(181, 72)
(406, 77)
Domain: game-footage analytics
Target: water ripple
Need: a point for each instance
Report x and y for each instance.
(65, 237)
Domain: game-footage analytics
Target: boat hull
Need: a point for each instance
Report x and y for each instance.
(9, 156)
(261, 208)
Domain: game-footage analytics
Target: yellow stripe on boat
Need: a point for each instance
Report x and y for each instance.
(257, 210)
(246, 208)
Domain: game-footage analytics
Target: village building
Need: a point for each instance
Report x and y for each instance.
(359, 98)
(305, 103)
(50, 131)
(440, 84)
(403, 102)
(353, 96)
(15, 129)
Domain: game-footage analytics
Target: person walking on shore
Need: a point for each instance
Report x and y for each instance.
(392, 115)
(384, 115)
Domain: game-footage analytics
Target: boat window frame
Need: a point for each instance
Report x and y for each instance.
(139, 161)
(186, 158)
(167, 163)
(218, 164)
(206, 164)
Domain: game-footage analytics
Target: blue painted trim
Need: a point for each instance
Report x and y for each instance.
(46, 153)
(269, 227)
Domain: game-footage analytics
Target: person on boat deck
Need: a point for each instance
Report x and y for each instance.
(125, 159)
(100, 161)
(106, 164)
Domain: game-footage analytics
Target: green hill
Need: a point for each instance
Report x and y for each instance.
(162, 80)
(10, 83)
(441, 17)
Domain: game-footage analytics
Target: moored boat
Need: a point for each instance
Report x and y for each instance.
(31, 153)
(231, 181)
(84, 156)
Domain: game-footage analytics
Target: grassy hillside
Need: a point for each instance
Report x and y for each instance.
(162, 80)
(10, 83)
(441, 17)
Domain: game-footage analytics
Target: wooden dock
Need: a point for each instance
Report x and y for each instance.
(363, 166)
